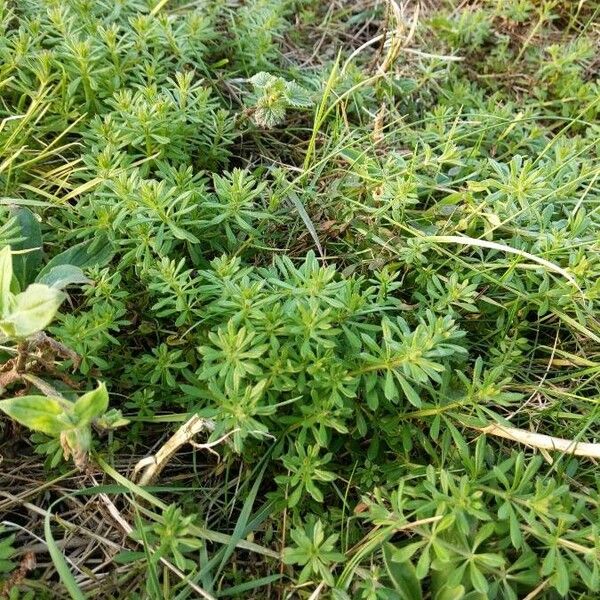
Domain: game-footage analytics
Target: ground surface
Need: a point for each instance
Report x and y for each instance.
(356, 243)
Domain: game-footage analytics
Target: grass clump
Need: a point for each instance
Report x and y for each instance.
(337, 269)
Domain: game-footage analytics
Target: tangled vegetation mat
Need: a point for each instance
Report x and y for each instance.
(299, 299)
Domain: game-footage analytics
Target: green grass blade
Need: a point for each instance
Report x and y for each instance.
(62, 568)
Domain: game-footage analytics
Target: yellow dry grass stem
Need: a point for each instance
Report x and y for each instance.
(151, 466)
(541, 441)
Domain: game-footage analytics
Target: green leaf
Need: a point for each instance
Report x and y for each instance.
(307, 220)
(128, 556)
(297, 96)
(516, 536)
(5, 201)
(402, 575)
(92, 253)
(111, 419)
(182, 234)
(33, 311)
(548, 565)
(389, 388)
(60, 563)
(27, 264)
(6, 273)
(561, 576)
(451, 593)
(242, 521)
(422, 568)
(406, 552)
(7, 551)
(409, 392)
(262, 79)
(441, 552)
(249, 586)
(91, 405)
(493, 561)
(477, 579)
(60, 276)
(39, 413)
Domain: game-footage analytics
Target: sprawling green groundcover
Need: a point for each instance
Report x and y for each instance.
(333, 265)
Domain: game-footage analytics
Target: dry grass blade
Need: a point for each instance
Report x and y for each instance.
(397, 43)
(541, 441)
(317, 593)
(151, 466)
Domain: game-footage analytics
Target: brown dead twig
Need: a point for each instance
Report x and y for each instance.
(38, 355)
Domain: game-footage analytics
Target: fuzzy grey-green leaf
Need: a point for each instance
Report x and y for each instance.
(39, 413)
(33, 311)
(60, 276)
(91, 405)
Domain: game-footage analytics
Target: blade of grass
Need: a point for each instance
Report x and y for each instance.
(249, 586)
(469, 241)
(240, 526)
(62, 568)
(307, 221)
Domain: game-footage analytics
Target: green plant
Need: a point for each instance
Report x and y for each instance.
(313, 551)
(23, 317)
(378, 315)
(28, 312)
(7, 552)
(172, 537)
(273, 96)
(69, 422)
(306, 470)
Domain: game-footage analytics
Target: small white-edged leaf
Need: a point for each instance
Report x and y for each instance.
(297, 96)
(39, 413)
(269, 116)
(262, 79)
